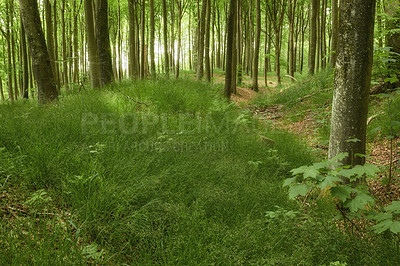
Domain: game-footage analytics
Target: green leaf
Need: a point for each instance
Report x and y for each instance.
(343, 193)
(310, 172)
(329, 180)
(299, 170)
(394, 207)
(382, 226)
(298, 190)
(359, 202)
(395, 227)
(339, 157)
(289, 181)
(382, 216)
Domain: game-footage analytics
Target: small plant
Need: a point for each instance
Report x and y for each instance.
(328, 177)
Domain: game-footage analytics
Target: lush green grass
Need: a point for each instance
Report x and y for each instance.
(162, 172)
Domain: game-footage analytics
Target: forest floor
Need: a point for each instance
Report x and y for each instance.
(382, 152)
(151, 172)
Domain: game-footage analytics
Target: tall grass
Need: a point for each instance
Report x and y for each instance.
(167, 172)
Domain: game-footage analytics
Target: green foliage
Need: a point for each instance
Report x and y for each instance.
(328, 176)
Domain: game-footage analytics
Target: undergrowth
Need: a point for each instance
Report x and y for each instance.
(160, 172)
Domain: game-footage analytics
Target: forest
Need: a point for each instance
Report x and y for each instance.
(207, 132)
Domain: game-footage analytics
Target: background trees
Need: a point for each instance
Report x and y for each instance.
(159, 36)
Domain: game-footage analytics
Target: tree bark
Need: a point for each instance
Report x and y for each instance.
(92, 45)
(165, 18)
(152, 32)
(229, 51)
(25, 63)
(207, 42)
(103, 43)
(142, 31)
(200, 52)
(335, 27)
(254, 85)
(47, 91)
(352, 80)
(313, 36)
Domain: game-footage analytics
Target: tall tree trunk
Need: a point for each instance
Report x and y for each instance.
(103, 43)
(132, 40)
(49, 34)
(13, 52)
(25, 63)
(207, 42)
(352, 80)
(92, 45)
(47, 91)
(64, 46)
(179, 3)
(200, 52)
(165, 18)
(229, 51)
(335, 26)
(55, 56)
(9, 51)
(142, 31)
(254, 85)
(313, 36)
(152, 32)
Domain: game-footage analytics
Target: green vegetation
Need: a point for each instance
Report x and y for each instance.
(160, 172)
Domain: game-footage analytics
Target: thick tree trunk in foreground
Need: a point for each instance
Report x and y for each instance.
(47, 90)
(103, 43)
(352, 79)
(152, 31)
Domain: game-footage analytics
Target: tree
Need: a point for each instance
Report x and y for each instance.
(200, 51)
(152, 32)
(103, 43)
(92, 45)
(313, 36)
(165, 31)
(352, 80)
(47, 91)
(229, 49)
(254, 85)
(335, 25)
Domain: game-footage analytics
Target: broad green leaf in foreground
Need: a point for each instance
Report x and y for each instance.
(298, 190)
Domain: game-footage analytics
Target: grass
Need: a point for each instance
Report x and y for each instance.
(159, 172)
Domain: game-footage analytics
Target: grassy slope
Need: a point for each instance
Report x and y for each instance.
(183, 179)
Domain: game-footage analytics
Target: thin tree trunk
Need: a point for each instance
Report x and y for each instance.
(152, 32)
(142, 31)
(207, 42)
(254, 85)
(313, 37)
(9, 52)
(200, 52)
(25, 62)
(165, 18)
